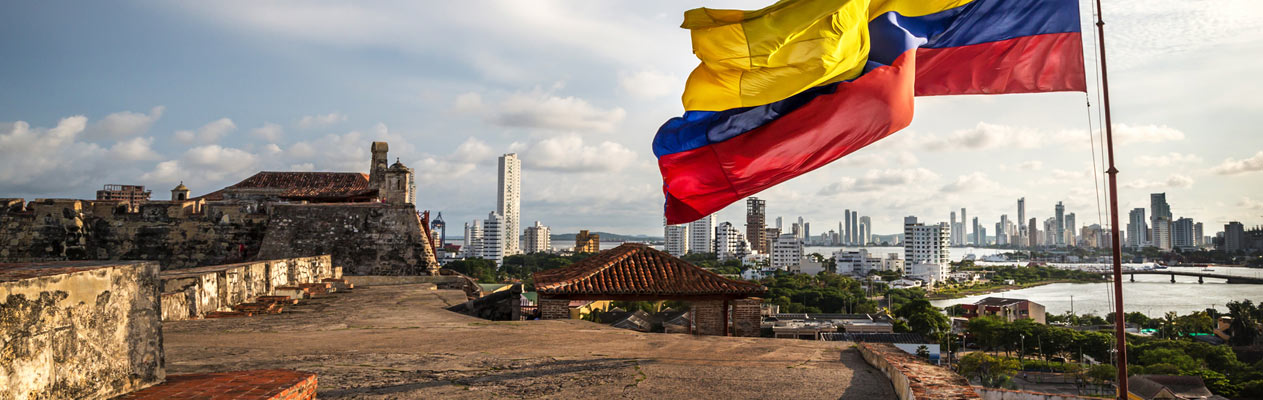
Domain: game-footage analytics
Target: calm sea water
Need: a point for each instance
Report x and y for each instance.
(1153, 295)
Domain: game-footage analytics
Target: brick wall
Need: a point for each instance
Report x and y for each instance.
(554, 309)
(708, 317)
(746, 318)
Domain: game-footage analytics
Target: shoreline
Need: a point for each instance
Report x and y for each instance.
(967, 293)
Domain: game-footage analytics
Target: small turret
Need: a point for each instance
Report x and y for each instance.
(180, 193)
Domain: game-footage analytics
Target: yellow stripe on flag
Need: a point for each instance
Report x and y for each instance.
(752, 58)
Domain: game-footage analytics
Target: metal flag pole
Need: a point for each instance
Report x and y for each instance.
(1120, 335)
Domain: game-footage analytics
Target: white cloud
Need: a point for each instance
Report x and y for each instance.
(322, 120)
(650, 84)
(1176, 181)
(209, 133)
(124, 124)
(879, 179)
(1136, 134)
(986, 136)
(974, 182)
(134, 149)
(463, 160)
(39, 160)
(1233, 166)
(542, 110)
(569, 153)
(1032, 165)
(269, 131)
(1172, 158)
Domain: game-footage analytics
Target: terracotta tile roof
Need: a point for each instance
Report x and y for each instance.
(637, 269)
(304, 185)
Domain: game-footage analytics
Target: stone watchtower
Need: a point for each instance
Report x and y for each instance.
(180, 193)
(395, 184)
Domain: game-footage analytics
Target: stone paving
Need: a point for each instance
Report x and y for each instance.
(396, 341)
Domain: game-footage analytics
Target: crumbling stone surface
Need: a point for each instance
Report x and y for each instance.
(505, 305)
(197, 292)
(79, 330)
(365, 239)
(914, 378)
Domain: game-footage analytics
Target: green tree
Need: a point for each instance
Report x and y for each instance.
(1102, 373)
(993, 372)
(923, 318)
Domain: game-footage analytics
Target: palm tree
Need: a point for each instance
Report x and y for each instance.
(1168, 325)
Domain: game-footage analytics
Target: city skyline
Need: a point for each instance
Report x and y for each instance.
(168, 113)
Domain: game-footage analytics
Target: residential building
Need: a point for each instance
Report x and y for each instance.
(850, 235)
(979, 238)
(955, 230)
(964, 227)
(1182, 234)
(756, 222)
(585, 242)
(677, 239)
(1007, 309)
(509, 200)
(1059, 227)
(134, 195)
(537, 239)
(861, 262)
(700, 231)
(807, 265)
(1199, 239)
(866, 230)
(1137, 228)
(1234, 237)
(472, 246)
(1032, 233)
(925, 244)
(855, 228)
(1162, 233)
(930, 273)
(1022, 230)
(787, 250)
(493, 237)
(730, 243)
(1071, 228)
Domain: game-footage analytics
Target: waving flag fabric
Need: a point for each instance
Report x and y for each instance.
(790, 88)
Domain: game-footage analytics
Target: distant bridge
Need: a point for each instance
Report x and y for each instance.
(1200, 276)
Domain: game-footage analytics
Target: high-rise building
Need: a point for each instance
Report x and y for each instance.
(1001, 231)
(730, 243)
(472, 247)
(1021, 221)
(955, 241)
(493, 238)
(787, 250)
(1059, 227)
(964, 227)
(585, 242)
(756, 222)
(925, 244)
(537, 239)
(979, 238)
(677, 238)
(1198, 238)
(806, 229)
(855, 227)
(700, 235)
(778, 224)
(1071, 229)
(866, 230)
(1234, 237)
(1137, 228)
(1032, 233)
(849, 234)
(1050, 232)
(509, 204)
(1162, 233)
(1158, 206)
(1182, 234)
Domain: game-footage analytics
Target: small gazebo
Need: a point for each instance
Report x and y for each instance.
(637, 272)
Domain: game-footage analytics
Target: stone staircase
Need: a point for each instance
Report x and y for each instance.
(285, 296)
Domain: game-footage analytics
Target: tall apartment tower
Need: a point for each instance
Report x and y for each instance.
(1072, 230)
(677, 238)
(493, 235)
(509, 204)
(756, 222)
(700, 235)
(866, 230)
(855, 228)
(472, 247)
(1032, 233)
(848, 236)
(1160, 221)
(1060, 226)
(1021, 221)
(1182, 233)
(955, 229)
(964, 227)
(1234, 237)
(537, 239)
(979, 238)
(925, 244)
(1137, 228)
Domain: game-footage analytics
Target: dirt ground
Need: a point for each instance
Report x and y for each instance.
(389, 342)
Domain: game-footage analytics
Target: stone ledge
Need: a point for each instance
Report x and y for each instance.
(914, 378)
(240, 385)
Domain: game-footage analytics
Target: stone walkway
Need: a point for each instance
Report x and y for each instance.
(398, 342)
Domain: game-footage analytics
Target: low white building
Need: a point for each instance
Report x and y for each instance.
(930, 273)
(807, 265)
(754, 274)
(861, 263)
(677, 239)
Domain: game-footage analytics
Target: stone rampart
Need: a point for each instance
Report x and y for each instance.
(914, 378)
(365, 238)
(1004, 394)
(194, 292)
(79, 329)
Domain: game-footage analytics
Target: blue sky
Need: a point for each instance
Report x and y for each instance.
(208, 93)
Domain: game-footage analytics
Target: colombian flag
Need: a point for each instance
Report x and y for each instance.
(792, 87)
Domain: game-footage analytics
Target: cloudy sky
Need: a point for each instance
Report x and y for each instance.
(158, 92)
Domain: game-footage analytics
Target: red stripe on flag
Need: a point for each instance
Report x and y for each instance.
(1029, 64)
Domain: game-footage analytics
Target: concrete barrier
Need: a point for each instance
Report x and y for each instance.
(194, 292)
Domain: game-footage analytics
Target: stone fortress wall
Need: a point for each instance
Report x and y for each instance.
(364, 238)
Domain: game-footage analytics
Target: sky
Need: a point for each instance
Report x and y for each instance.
(208, 93)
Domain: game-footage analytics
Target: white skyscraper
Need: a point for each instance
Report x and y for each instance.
(729, 242)
(866, 230)
(509, 205)
(493, 238)
(472, 247)
(699, 235)
(677, 238)
(925, 244)
(536, 239)
(787, 251)
(1162, 233)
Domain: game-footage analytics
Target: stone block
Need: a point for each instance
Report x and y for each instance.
(554, 309)
(746, 318)
(79, 330)
(175, 306)
(708, 317)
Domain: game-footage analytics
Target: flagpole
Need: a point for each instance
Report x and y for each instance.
(1120, 334)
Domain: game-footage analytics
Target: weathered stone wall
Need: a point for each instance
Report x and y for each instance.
(913, 378)
(1003, 394)
(79, 330)
(194, 292)
(364, 239)
(708, 317)
(746, 319)
(554, 309)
